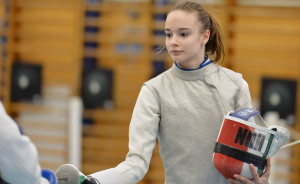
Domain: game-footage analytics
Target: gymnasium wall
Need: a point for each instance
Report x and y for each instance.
(68, 37)
(48, 35)
(265, 43)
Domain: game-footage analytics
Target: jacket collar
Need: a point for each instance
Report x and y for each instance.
(193, 74)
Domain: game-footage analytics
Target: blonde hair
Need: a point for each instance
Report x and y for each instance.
(214, 46)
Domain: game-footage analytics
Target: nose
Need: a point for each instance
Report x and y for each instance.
(173, 40)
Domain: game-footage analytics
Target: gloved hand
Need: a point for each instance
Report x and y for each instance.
(69, 174)
(44, 181)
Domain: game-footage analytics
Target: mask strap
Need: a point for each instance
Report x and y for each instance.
(245, 96)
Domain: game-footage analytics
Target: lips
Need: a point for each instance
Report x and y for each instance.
(176, 52)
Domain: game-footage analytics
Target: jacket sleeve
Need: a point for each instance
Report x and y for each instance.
(18, 155)
(143, 131)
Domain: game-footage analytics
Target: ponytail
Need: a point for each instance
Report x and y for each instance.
(215, 46)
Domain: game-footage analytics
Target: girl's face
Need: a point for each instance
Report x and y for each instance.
(185, 40)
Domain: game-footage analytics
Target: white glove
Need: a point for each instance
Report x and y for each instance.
(45, 181)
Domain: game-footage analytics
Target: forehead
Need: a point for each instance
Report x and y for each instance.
(179, 19)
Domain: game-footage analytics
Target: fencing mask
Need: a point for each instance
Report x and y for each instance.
(241, 142)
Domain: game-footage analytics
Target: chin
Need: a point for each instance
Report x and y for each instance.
(178, 59)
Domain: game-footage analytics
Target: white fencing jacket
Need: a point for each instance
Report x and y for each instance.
(184, 111)
(18, 156)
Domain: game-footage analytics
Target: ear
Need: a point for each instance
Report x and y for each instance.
(205, 36)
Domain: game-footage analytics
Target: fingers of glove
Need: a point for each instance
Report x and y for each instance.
(241, 179)
(267, 172)
(235, 181)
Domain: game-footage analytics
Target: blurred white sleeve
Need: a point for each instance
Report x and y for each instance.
(18, 155)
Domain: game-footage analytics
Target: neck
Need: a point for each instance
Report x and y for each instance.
(192, 65)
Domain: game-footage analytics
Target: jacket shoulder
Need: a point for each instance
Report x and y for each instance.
(158, 80)
(232, 75)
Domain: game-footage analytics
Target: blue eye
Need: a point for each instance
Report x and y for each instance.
(184, 34)
(168, 35)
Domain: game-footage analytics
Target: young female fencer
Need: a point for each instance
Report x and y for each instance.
(184, 106)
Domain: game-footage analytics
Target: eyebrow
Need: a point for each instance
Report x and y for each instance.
(180, 29)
